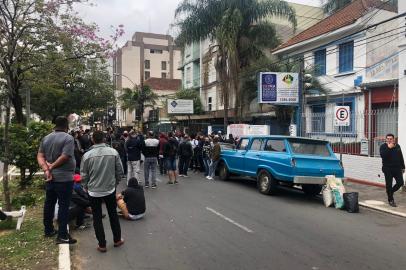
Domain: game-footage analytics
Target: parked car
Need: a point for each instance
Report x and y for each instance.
(273, 160)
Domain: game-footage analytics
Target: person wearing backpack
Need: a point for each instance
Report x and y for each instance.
(185, 155)
(170, 153)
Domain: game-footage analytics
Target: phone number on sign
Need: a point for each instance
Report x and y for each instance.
(288, 99)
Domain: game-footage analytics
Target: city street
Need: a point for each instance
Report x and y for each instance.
(202, 224)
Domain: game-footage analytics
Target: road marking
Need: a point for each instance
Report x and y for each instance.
(229, 220)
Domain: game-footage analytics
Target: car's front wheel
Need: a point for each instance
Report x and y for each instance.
(311, 189)
(266, 183)
(223, 172)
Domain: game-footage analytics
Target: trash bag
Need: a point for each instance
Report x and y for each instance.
(338, 198)
(351, 202)
(327, 196)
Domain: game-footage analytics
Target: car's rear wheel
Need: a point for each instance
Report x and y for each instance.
(224, 174)
(311, 189)
(266, 183)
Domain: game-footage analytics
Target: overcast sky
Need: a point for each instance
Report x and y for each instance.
(138, 15)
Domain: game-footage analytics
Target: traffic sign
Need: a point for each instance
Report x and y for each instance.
(342, 116)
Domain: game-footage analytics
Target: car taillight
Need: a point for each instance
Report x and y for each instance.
(293, 162)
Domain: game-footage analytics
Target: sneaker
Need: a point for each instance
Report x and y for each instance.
(186, 175)
(82, 227)
(146, 186)
(207, 177)
(393, 204)
(181, 175)
(176, 182)
(51, 234)
(153, 186)
(119, 243)
(69, 240)
(102, 249)
(170, 183)
(210, 178)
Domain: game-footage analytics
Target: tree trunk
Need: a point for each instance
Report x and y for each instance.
(23, 179)
(6, 188)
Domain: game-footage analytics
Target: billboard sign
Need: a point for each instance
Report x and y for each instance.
(180, 106)
(278, 88)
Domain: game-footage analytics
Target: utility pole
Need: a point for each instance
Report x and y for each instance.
(402, 77)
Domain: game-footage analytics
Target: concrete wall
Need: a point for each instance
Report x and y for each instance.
(363, 168)
(155, 63)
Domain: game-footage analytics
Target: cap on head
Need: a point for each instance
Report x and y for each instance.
(77, 178)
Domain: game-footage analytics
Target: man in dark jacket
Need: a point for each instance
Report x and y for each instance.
(162, 141)
(170, 153)
(150, 150)
(393, 166)
(133, 147)
(131, 201)
(185, 155)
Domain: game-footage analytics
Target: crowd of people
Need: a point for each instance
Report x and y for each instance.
(82, 170)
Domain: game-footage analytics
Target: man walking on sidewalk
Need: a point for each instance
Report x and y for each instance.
(57, 160)
(101, 171)
(393, 166)
(151, 152)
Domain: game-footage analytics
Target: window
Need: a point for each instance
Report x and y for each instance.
(318, 118)
(256, 145)
(209, 103)
(163, 65)
(147, 75)
(320, 62)
(155, 51)
(163, 75)
(147, 64)
(346, 57)
(275, 146)
(242, 145)
(309, 148)
(188, 75)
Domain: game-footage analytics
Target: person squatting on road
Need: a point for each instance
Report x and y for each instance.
(393, 166)
(150, 150)
(131, 201)
(101, 171)
(79, 205)
(56, 158)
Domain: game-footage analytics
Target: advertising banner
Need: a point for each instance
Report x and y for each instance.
(278, 88)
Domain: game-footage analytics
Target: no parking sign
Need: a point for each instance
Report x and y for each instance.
(342, 116)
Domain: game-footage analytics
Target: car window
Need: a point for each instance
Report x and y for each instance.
(256, 144)
(243, 144)
(275, 146)
(309, 148)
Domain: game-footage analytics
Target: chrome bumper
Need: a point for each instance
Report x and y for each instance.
(309, 180)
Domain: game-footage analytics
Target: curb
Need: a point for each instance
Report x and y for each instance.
(64, 257)
(382, 209)
(365, 182)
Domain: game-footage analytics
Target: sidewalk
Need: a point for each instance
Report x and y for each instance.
(374, 197)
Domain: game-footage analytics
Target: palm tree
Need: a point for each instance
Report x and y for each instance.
(332, 6)
(137, 100)
(240, 31)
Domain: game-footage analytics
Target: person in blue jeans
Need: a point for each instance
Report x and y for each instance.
(169, 153)
(57, 160)
(215, 158)
(206, 153)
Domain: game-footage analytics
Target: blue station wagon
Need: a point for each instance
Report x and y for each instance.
(274, 160)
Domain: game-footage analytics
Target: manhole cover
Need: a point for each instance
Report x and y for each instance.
(373, 202)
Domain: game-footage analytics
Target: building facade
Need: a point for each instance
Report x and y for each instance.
(146, 56)
(357, 68)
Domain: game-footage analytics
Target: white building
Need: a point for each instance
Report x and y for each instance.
(358, 68)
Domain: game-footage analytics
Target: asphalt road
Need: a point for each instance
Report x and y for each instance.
(202, 224)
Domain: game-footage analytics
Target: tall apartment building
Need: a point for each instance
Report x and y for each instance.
(146, 56)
